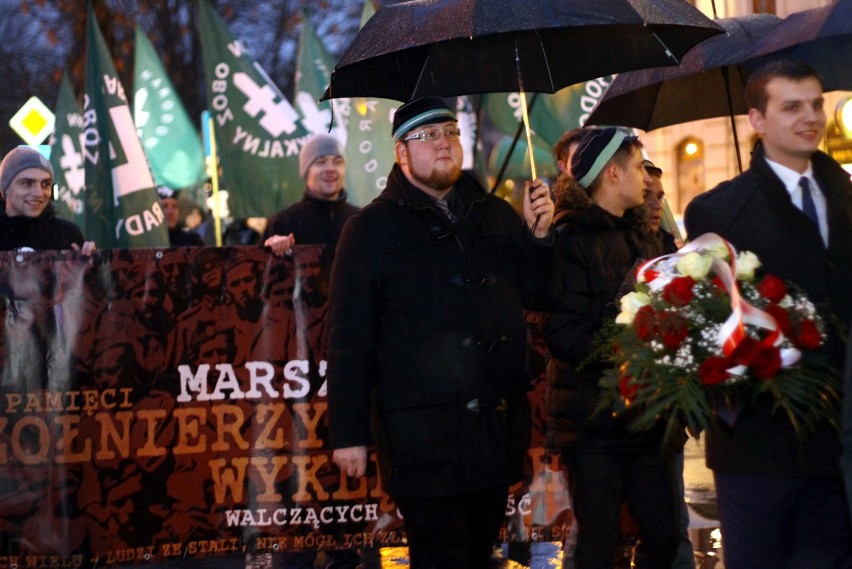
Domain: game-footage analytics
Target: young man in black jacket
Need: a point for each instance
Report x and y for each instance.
(601, 239)
(781, 499)
(27, 219)
(319, 217)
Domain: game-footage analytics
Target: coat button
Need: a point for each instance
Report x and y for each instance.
(468, 342)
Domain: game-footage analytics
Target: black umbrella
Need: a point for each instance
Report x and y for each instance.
(708, 82)
(821, 37)
(461, 47)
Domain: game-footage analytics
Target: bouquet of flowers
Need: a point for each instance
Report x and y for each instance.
(701, 335)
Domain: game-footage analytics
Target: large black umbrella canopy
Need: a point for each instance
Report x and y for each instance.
(461, 47)
(821, 37)
(708, 82)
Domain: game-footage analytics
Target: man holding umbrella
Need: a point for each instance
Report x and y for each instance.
(781, 498)
(427, 291)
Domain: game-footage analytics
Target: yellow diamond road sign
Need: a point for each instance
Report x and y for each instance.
(33, 122)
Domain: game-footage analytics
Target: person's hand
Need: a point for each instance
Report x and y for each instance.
(351, 460)
(538, 207)
(86, 250)
(281, 244)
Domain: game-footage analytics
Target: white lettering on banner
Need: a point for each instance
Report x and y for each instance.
(237, 48)
(140, 223)
(594, 91)
(194, 384)
(91, 136)
(313, 517)
(114, 87)
(265, 148)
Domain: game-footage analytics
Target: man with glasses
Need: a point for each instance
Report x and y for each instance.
(426, 318)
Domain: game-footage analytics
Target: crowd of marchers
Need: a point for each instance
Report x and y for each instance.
(426, 338)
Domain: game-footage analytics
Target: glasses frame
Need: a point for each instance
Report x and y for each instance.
(451, 134)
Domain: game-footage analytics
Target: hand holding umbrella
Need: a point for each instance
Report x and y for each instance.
(538, 208)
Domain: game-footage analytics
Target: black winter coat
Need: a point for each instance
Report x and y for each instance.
(312, 221)
(43, 233)
(430, 317)
(755, 213)
(598, 251)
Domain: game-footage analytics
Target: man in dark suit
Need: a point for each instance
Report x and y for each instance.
(781, 499)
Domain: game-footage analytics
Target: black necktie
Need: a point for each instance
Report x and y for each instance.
(808, 206)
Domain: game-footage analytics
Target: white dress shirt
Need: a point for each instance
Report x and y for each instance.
(790, 179)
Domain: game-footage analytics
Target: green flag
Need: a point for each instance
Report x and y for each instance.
(66, 156)
(258, 132)
(122, 209)
(369, 144)
(551, 115)
(313, 69)
(168, 136)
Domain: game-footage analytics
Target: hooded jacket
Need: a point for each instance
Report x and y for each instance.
(430, 316)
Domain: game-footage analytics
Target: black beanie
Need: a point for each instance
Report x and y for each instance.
(597, 147)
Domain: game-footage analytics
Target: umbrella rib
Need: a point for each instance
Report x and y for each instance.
(546, 63)
(668, 51)
(411, 97)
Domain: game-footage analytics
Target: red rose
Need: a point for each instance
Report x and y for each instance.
(719, 284)
(781, 318)
(766, 362)
(627, 388)
(673, 329)
(808, 337)
(745, 350)
(772, 288)
(645, 323)
(679, 291)
(713, 370)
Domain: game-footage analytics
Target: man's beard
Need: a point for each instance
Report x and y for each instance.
(438, 180)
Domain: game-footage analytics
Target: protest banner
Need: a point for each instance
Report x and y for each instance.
(159, 404)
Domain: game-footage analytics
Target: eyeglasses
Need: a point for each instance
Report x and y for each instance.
(434, 134)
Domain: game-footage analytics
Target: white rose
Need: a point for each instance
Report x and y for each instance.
(747, 263)
(630, 305)
(719, 249)
(694, 265)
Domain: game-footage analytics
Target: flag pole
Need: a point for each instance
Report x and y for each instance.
(214, 180)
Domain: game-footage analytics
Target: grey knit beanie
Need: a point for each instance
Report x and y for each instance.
(18, 160)
(315, 148)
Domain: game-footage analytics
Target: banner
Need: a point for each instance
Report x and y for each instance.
(168, 135)
(162, 404)
(66, 156)
(258, 132)
(121, 205)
